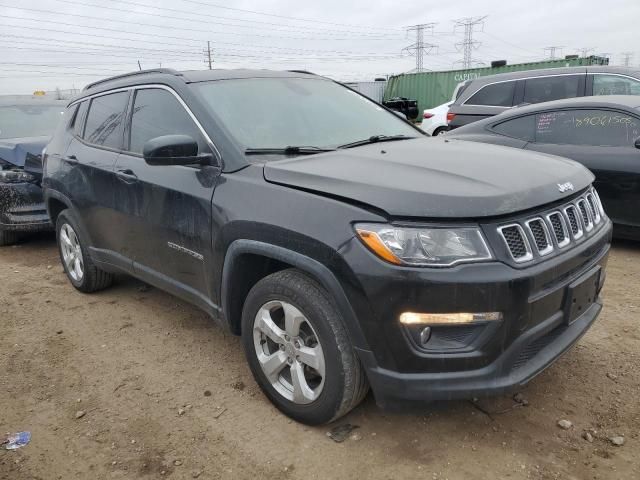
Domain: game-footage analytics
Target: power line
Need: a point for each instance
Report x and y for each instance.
(138, 24)
(419, 48)
(315, 21)
(585, 51)
(468, 45)
(203, 14)
(552, 51)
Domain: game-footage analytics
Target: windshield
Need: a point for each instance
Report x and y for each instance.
(29, 120)
(279, 112)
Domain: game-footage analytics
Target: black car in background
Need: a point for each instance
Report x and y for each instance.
(345, 247)
(488, 96)
(602, 133)
(26, 124)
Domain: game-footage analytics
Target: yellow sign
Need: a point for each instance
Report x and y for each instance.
(39, 93)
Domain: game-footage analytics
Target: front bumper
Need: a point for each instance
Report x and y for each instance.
(22, 208)
(496, 357)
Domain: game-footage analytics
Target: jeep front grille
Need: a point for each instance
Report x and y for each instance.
(517, 242)
(557, 229)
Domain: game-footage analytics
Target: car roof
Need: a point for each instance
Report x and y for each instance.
(173, 77)
(599, 101)
(543, 72)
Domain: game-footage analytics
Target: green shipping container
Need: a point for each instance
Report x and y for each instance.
(431, 89)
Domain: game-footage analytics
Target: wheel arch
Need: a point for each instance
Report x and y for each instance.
(56, 203)
(279, 258)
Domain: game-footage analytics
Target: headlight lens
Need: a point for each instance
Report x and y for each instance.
(427, 247)
(15, 176)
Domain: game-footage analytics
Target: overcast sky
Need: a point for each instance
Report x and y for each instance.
(46, 44)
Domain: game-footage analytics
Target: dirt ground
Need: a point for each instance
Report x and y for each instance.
(167, 394)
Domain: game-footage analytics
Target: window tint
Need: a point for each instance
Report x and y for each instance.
(614, 85)
(78, 121)
(545, 89)
(523, 128)
(587, 127)
(498, 94)
(104, 120)
(156, 113)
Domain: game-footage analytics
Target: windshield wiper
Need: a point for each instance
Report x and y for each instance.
(376, 139)
(290, 150)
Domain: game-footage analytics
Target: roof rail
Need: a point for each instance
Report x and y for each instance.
(301, 71)
(169, 71)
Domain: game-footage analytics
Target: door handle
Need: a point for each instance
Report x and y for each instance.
(127, 175)
(71, 160)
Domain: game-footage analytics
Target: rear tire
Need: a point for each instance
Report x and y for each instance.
(75, 258)
(8, 238)
(310, 371)
(439, 131)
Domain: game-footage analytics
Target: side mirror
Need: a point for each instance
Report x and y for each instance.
(637, 144)
(173, 150)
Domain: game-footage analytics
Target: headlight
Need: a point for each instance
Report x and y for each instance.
(427, 247)
(15, 176)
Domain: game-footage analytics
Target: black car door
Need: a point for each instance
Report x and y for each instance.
(165, 210)
(603, 141)
(90, 158)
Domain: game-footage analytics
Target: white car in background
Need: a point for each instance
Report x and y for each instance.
(434, 120)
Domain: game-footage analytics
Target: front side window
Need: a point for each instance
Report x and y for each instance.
(306, 112)
(29, 120)
(587, 127)
(104, 120)
(78, 121)
(496, 95)
(546, 89)
(522, 127)
(615, 85)
(157, 112)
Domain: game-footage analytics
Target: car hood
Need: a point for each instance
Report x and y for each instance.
(433, 177)
(16, 150)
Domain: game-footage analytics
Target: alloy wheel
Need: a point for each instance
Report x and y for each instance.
(289, 352)
(71, 252)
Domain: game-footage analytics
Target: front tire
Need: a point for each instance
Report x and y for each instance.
(75, 258)
(298, 349)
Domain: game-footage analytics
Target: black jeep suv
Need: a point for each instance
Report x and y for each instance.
(345, 247)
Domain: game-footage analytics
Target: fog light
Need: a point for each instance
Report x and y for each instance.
(425, 335)
(411, 318)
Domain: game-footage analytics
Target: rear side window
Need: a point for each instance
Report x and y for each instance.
(523, 128)
(497, 95)
(104, 120)
(587, 127)
(546, 89)
(78, 121)
(157, 112)
(615, 85)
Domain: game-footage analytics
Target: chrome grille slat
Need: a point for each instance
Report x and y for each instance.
(559, 228)
(595, 211)
(556, 229)
(517, 242)
(541, 237)
(585, 215)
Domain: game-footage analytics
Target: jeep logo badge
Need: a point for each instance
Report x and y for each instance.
(565, 187)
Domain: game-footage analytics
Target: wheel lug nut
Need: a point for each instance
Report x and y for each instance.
(289, 360)
(298, 358)
(282, 347)
(286, 337)
(297, 344)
